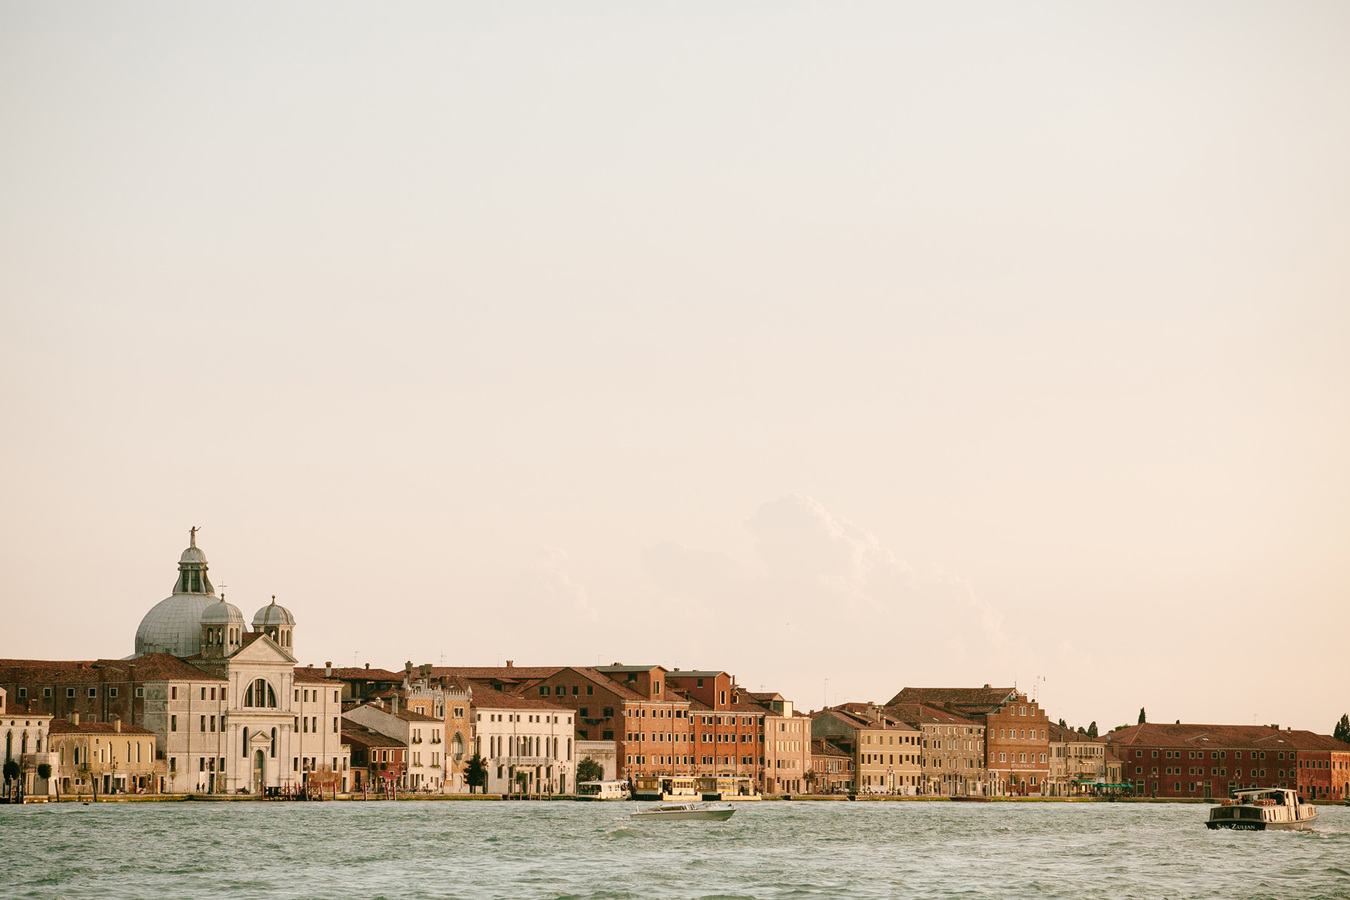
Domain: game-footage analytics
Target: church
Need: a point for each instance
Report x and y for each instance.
(230, 709)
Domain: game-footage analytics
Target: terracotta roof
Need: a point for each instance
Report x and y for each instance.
(150, 667)
(923, 714)
(311, 675)
(360, 673)
(485, 697)
(689, 673)
(617, 668)
(1312, 741)
(1191, 737)
(507, 673)
(856, 715)
(825, 748)
(354, 733)
(64, 726)
(1062, 735)
(971, 701)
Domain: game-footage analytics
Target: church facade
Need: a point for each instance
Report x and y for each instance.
(230, 709)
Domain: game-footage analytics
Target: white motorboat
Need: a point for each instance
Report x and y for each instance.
(1259, 810)
(699, 812)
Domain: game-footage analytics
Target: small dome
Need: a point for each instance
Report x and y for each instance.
(273, 615)
(193, 554)
(222, 613)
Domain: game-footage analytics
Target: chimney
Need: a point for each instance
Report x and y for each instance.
(367, 665)
(393, 704)
(328, 669)
(407, 667)
(510, 663)
(117, 724)
(75, 718)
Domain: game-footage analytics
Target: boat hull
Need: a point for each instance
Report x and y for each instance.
(1263, 826)
(704, 815)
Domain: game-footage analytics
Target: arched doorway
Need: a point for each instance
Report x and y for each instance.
(259, 771)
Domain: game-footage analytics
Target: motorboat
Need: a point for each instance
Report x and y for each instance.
(602, 790)
(1262, 809)
(693, 812)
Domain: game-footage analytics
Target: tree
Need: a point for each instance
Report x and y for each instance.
(1342, 730)
(589, 770)
(523, 781)
(810, 779)
(1062, 724)
(1142, 717)
(1092, 729)
(475, 774)
(44, 771)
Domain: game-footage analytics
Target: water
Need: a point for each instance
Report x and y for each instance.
(779, 849)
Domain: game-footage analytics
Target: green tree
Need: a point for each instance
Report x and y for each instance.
(475, 773)
(1142, 716)
(1342, 730)
(589, 770)
(1092, 729)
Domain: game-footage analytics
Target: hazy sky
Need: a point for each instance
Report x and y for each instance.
(889, 344)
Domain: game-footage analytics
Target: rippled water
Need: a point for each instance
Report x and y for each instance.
(778, 849)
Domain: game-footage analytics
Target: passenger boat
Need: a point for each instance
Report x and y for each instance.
(701, 812)
(602, 790)
(1258, 810)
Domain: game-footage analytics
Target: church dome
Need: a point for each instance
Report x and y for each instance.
(173, 625)
(273, 615)
(222, 613)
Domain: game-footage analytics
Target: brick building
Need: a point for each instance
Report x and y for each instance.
(1189, 760)
(727, 724)
(379, 762)
(831, 768)
(1016, 732)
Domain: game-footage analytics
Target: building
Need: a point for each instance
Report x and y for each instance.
(361, 684)
(1016, 732)
(526, 743)
(448, 698)
(105, 758)
(230, 709)
(831, 768)
(726, 725)
(379, 762)
(630, 706)
(1209, 761)
(1076, 762)
(952, 755)
(26, 745)
(422, 737)
(787, 746)
(1322, 764)
(886, 751)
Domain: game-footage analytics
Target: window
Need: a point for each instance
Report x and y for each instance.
(140, 692)
(93, 692)
(173, 723)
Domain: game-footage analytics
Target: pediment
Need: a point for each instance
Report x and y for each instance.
(262, 649)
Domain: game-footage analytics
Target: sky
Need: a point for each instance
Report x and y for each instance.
(840, 346)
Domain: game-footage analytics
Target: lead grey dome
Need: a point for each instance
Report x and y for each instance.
(222, 613)
(174, 624)
(273, 615)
